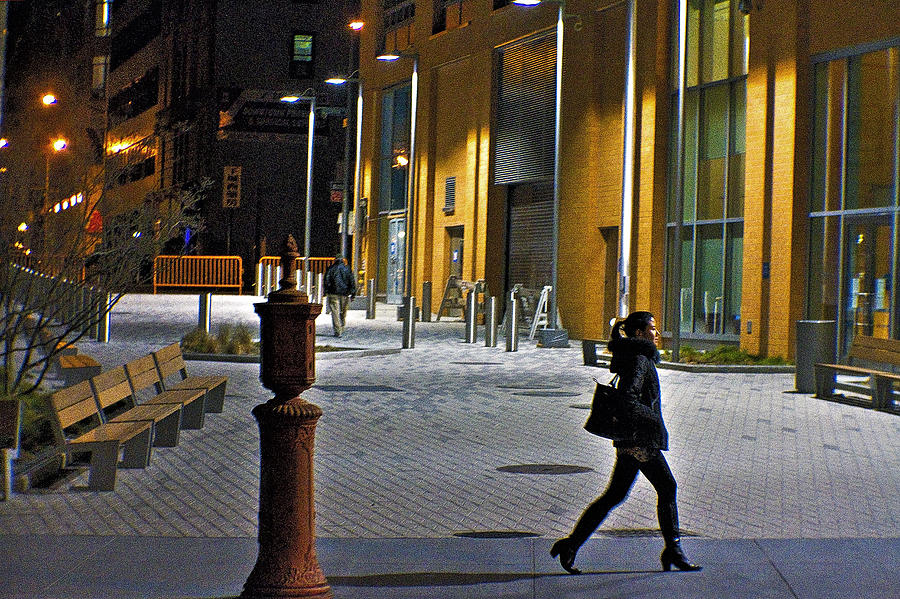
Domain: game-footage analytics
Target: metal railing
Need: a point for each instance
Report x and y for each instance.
(210, 272)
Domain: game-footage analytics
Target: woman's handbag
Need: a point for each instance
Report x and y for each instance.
(606, 416)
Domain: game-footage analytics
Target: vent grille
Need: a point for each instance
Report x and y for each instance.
(526, 110)
(449, 195)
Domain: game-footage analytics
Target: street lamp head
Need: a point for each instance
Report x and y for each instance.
(60, 144)
(341, 80)
(388, 57)
(308, 94)
(356, 24)
(526, 2)
(49, 99)
(4, 142)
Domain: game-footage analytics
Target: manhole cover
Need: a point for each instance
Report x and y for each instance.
(495, 534)
(544, 469)
(479, 363)
(528, 387)
(548, 393)
(362, 388)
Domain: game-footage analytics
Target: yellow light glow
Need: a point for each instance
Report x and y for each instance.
(65, 205)
(23, 227)
(402, 160)
(49, 99)
(57, 207)
(60, 144)
(388, 57)
(28, 252)
(357, 25)
(120, 146)
(4, 142)
(336, 80)
(290, 99)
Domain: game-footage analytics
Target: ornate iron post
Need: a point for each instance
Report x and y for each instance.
(287, 565)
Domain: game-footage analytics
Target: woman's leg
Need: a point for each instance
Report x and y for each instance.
(620, 482)
(657, 471)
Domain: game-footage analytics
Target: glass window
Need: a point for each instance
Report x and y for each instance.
(101, 26)
(871, 128)
(301, 66)
(714, 147)
(394, 146)
(99, 74)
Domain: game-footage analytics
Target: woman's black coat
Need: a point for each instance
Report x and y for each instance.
(634, 359)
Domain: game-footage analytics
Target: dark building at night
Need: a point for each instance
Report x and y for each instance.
(163, 95)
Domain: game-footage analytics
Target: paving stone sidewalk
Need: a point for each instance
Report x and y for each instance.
(451, 437)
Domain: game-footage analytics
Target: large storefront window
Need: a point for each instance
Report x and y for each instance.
(394, 155)
(854, 194)
(712, 191)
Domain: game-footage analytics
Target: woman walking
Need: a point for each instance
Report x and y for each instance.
(634, 359)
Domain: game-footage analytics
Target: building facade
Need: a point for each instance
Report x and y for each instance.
(187, 94)
(753, 145)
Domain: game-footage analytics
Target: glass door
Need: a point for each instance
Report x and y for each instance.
(396, 260)
(868, 251)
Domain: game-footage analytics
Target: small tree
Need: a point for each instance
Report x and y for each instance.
(58, 269)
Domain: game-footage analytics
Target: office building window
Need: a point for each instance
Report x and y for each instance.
(301, 56)
(397, 24)
(854, 204)
(394, 149)
(101, 26)
(712, 208)
(451, 14)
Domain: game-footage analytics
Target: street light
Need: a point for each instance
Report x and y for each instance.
(557, 337)
(49, 99)
(356, 178)
(411, 178)
(308, 94)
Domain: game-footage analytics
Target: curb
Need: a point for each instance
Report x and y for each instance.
(722, 368)
(254, 358)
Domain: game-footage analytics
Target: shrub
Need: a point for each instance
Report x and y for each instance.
(229, 339)
(199, 341)
(727, 354)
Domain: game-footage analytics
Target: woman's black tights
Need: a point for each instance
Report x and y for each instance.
(624, 473)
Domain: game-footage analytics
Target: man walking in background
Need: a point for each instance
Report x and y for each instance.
(340, 287)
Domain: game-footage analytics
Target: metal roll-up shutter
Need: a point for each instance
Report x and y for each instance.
(526, 109)
(530, 235)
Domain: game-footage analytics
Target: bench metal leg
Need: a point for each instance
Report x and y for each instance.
(882, 389)
(215, 399)
(137, 450)
(192, 414)
(102, 476)
(165, 432)
(589, 352)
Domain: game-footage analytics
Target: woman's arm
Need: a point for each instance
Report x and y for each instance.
(631, 384)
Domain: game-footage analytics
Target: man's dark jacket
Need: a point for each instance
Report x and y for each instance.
(339, 280)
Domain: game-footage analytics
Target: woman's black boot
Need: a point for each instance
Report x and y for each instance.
(673, 555)
(566, 550)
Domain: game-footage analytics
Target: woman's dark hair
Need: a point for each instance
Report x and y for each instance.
(636, 321)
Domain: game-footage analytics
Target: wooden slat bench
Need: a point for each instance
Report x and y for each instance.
(142, 374)
(77, 367)
(112, 390)
(75, 408)
(879, 380)
(169, 361)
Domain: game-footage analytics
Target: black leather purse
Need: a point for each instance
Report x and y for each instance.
(606, 416)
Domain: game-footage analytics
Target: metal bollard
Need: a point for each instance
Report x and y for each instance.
(370, 299)
(471, 317)
(268, 286)
(490, 322)
(103, 314)
(320, 287)
(93, 300)
(512, 323)
(309, 287)
(426, 301)
(259, 280)
(298, 276)
(203, 313)
(409, 323)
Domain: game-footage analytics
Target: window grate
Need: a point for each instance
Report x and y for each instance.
(449, 195)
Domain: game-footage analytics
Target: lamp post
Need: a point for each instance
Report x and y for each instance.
(355, 27)
(308, 94)
(553, 336)
(356, 179)
(411, 165)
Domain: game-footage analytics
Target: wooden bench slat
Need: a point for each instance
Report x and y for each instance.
(871, 350)
(170, 361)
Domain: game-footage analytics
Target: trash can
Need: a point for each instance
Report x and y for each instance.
(815, 345)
